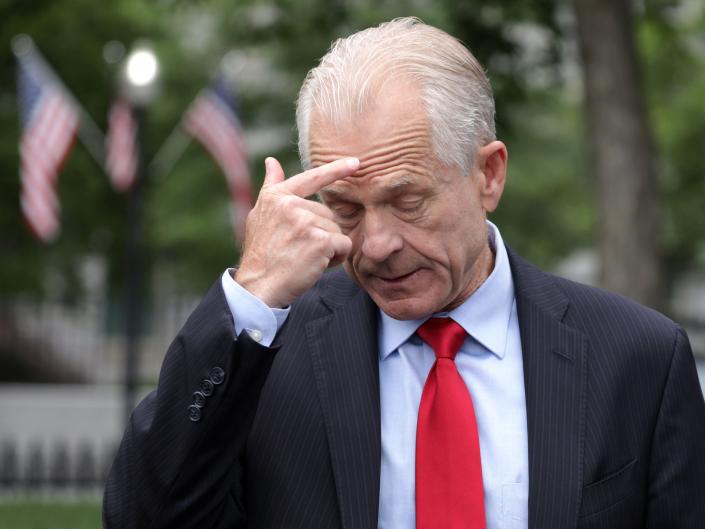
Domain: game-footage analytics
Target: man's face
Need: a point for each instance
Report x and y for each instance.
(417, 226)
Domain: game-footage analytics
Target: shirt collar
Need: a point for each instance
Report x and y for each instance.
(484, 315)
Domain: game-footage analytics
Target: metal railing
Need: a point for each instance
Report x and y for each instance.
(59, 466)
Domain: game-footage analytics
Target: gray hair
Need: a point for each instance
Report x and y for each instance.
(456, 93)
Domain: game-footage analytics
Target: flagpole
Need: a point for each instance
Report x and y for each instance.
(135, 261)
(140, 75)
(169, 153)
(91, 136)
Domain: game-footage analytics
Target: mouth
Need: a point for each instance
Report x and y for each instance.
(397, 280)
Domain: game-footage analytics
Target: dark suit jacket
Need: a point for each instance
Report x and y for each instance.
(291, 437)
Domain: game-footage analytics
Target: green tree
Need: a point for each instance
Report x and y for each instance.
(548, 209)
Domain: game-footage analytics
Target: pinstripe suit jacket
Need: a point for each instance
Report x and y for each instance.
(291, 438)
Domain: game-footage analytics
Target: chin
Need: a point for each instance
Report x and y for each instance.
(404, 309)
(403, 302)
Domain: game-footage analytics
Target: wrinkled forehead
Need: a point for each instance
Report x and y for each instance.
(392, 138)
(393, 154)
(381, 187)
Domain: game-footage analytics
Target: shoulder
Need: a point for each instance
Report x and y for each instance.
(603, 313)
(611, 321)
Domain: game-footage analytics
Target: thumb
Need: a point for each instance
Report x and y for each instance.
(274, 173)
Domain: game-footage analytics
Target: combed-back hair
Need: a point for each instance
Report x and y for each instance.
(456, 93)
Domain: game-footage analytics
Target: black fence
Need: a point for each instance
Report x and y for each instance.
(55, 466)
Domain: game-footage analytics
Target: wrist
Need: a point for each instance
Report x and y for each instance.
(259, 287)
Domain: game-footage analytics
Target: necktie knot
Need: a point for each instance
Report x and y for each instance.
(443, 335)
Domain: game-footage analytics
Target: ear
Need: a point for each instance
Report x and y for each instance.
(491, 172)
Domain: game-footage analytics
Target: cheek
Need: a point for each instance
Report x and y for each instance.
(425, 248)
(451, 240)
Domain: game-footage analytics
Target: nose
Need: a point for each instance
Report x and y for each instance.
(380, 237)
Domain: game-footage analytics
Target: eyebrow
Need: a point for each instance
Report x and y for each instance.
(331, 193)
(389, 187)
(400, 183)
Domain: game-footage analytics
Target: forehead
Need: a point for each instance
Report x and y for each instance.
(391, 137)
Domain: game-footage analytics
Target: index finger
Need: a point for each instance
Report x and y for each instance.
(310, 182)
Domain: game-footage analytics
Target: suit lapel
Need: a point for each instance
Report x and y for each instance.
(555, 378)
(345, 359)
(346, 364)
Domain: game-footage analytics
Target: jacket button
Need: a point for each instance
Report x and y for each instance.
(217, 375)
(199, 399)
(194, 413)
(206, 387)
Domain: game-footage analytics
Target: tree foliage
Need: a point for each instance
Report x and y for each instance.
(672, 39)
(547, 210)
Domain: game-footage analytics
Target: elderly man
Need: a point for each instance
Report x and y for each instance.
(439, 381)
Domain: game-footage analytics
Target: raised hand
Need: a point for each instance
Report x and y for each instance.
(289, 240)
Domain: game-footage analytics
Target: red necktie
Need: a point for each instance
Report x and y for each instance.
(449, 492)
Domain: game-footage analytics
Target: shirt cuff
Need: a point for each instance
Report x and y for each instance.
(250, 313)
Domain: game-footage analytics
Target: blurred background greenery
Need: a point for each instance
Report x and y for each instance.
(49, 515)
(554, 202)
(530, 51)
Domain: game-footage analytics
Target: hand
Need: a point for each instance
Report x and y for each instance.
(291, 241)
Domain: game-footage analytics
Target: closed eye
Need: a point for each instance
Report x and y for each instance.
(410, 206)
(345, 211)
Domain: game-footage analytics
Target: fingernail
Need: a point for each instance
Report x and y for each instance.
(266, 164)
(352, 163)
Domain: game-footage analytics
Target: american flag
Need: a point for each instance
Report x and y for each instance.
(121, 148)
(49, 121)
(212, 120)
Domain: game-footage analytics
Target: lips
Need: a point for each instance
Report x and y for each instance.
(397, 279)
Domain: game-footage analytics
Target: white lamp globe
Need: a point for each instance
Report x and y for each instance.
(141, 67)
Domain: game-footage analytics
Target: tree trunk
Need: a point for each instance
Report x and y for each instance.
(622, 151)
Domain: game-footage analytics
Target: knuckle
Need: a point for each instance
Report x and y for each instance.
(318, 177)
(343, 243)
(287, 205)
(318, 236)
(305, 218)
(299, 220)
(315, 173)
(287, 201)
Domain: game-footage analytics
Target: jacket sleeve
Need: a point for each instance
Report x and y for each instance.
(180, 461)
(677, 467)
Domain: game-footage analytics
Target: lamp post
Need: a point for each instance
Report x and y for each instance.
(138, 85)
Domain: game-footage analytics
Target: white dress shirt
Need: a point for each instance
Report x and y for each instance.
(490, 363)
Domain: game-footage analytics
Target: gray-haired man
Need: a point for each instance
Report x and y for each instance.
(299, 398)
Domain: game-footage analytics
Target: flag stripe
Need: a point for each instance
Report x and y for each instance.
(231, 160)
(221, 148)
(212, 120)
(49, 129)
(121, 146)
